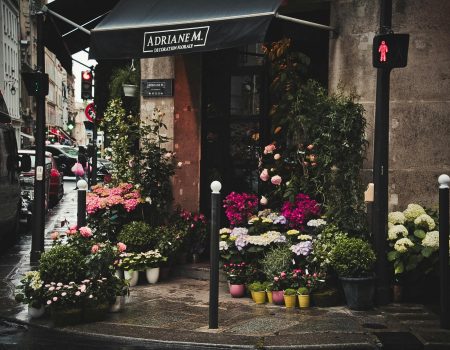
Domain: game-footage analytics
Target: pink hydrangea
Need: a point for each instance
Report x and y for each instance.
(299, 212)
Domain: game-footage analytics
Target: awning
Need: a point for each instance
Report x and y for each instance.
(151, 28)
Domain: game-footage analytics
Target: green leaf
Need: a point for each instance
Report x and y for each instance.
(393, 255)
(427, 251)
(420, 234)
(399, 268)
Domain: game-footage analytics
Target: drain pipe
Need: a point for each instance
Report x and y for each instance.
(444, 181)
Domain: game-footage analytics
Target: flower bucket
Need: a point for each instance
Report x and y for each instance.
(237, 290)
(303, 301)
(66, 317)
(152, 275)
(132, 277)
(259, 297)
(269, 297)
(290, 301)
(36, 312)
(118, 305)
(277, 297)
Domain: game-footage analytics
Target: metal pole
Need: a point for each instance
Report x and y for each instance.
(381, 168)
(37, 239)
(214, 270)
(94, 156)
(81, 212)
(444, 181)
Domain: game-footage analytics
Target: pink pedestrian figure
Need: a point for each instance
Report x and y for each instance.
(383, 49)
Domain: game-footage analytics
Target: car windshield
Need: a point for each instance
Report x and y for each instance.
(73, 152)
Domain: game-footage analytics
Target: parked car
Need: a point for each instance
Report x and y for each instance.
(27, 179)
(10, 166)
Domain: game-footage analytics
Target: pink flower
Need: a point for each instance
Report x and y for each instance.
(54, 236)
(276, 180)
(55, 299)
(276, 279)
(82, 288)
(77, 293)
(121, 246)
(277, 156)
(310, 147)
(283, 274)
(263, 200)
(264, 175)
(269, 148)
(85, 232)
(95, 248)
(73, 227)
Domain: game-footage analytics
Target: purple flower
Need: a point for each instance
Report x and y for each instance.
(280, 220)
(302, 248)
(241, 242)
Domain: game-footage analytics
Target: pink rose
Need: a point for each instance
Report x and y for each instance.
(264, 175)
(54, 236)
(121, 246)
(73, 227)
(276, 279)
(310, 147)
(277, 156)
(269, 149)
(276, 180)
(283, 274)
(263, 200)
(95, 248)
(85, 232)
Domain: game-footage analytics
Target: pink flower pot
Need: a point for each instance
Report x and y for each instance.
(237, 290)
(278, 297)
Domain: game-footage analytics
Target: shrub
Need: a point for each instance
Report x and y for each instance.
(138, 236)
(290, 291)
(62, 263)
(353, 257)
(323, 246)
(277, 260)
(303, 291)
(257, 287)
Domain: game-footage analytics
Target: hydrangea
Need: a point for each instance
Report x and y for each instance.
(431, 240)
(302, 248)
(425, 221)
(305, 237)
(223, 245)
(413, 211)
(224, 231)
(266, 238)
(241, 242)
(292, 232)
(396, 217)
(395, 231)
(280, 220)
(403, 244)
(316, 223)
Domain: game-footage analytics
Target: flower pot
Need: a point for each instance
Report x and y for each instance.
(152, 275)
(95, 313)
(66, 317)
(119, 273)
(118, 305)
(132, 277)
(290, 301)
(359, 292)
(277, 297)
(303, 301)
(269, 296)
(252, 293)
(259, 297)
(237, 290)
(129, 90)
(36, 312)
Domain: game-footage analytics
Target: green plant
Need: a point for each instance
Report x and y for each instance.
(276, 260)
(170, 240)
(141, 261)
(290, 291)
(303, 291)
(323, 245)
(30, 291)
(256, 287)
(353, 257)
(138, 236)
(268, 286)
(62, 263)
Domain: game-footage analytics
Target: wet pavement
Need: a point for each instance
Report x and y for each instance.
(173, 314)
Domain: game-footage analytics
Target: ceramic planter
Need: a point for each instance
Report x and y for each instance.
(290, 301)
(237, 290)
(152, 275)
(359, 292)
(277, 297)
(131, 276)
(303, 301)
(36, 312)
(259, 297)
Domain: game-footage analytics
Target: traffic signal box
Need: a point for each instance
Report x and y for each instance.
(390, 50)
(36, 83)
(86, 85)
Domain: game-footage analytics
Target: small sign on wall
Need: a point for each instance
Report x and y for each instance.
(157, 87)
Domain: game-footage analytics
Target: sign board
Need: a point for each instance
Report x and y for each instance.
(89, 111)
(390, 50)
(157, 87)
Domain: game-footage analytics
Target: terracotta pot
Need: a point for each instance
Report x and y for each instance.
(237, 290)
(259, 297)
(303, 300)
(277, 297)
(152, 275)
(290, 301)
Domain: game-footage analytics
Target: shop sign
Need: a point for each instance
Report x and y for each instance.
(175, 39)
(157, 87)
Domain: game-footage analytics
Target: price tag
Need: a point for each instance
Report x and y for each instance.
(39, 173)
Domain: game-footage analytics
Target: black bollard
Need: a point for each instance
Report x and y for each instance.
(81, 212)
(444, 181)
(214, 259)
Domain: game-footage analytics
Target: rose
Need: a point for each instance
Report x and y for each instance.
(310, 147)
(85, 232)
(95, 248)
(276, 180)
(264, 175)
(269, 148)
(54, 236)
(121, 246)
(277, 156)
(263, 200)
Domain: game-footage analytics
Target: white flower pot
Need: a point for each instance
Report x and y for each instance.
(129, 90)
(118, 305)
(152, 275)
(35, 312)
(132, 277)
(119, 273)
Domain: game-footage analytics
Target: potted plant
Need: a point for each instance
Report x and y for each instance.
(268, 286)
(138, 236)
(125, 80)
(62, 263)
(65, 301)
(31, 292)
(236, 278)
(290, 296)
(303, 297)
(152, 260)
(353, 259)
(121, 291)
(279, 284)
(148, 261)
(259, 292)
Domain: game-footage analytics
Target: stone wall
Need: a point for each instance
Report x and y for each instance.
(419, 132)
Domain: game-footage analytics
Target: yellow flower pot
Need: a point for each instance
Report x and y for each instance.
(303, 300)
(290, 300)
(253, 295)
(259, 297)
(269, 297)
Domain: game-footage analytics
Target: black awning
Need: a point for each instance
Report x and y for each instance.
(151, 28)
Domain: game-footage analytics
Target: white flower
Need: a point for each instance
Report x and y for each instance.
(403, 244)
(223, 245)
(395, 231)
(148, 200)
(413, 211)
(396, 217)
(179, 164)
(425, 221)
(316, 223)
(431, 240)
(305, 237)
(224, 231)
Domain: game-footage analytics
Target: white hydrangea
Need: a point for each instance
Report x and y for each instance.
(396, 217)
(425, 221)
(396, 231)
(266, 238)
(390, 225)
(316, 222)
(224, 231)
(305, 237)
(223, 245)
(413, 211)
(431, 240)
(403, 244)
